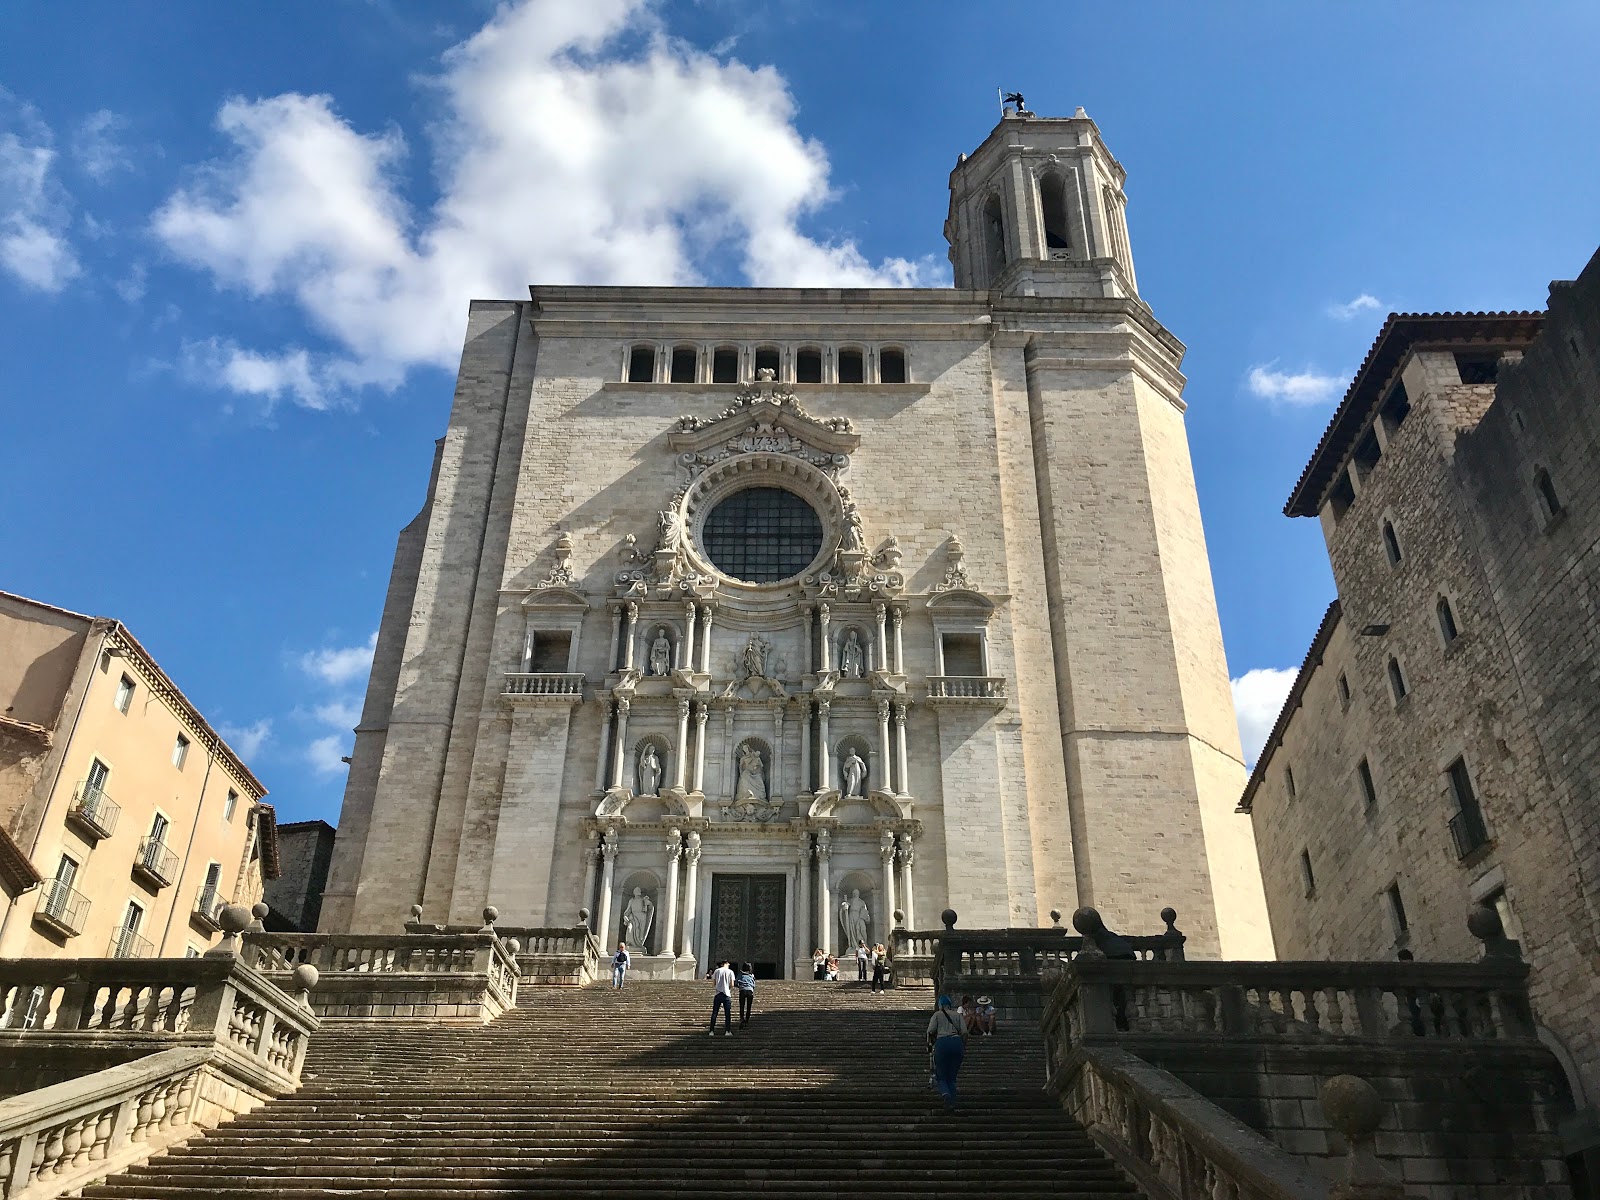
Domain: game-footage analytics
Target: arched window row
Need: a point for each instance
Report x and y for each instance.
(650, 362)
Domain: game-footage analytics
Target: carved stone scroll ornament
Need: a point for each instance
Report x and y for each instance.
(955, 571)
(562, 574)
(764, 392)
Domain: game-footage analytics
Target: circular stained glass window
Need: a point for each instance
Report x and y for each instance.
(762, 535)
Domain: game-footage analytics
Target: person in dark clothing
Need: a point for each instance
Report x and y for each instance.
(947, 1039)
(746, 981)
(880, 964)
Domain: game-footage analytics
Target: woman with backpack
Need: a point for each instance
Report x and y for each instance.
(746, 982)
(947, 1042)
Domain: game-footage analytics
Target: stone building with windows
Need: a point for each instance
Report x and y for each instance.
(1441, 744)
(744, 618)
(128, 823)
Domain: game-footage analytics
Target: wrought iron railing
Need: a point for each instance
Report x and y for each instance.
(126, 943)
(94, 810)
(157, 862)
(62, 907)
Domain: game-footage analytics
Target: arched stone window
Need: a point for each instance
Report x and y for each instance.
(642, 364)
(684, 361)
(1397, 680)
(1053, 204)
(852, 366)
(725, 364)
(1447, 620)
(1391, 544)
(994, 237)
(808, 365)
(892, 365)
(1549, 502)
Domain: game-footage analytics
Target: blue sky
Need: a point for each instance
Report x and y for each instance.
(236, 243)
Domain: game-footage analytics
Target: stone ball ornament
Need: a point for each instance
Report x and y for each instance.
(948, 916)
(234, 919)
(416, 914)
(1484, 923)
(305, 978)
(1352, 1106)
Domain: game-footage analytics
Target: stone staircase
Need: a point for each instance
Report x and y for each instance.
(589, 1093)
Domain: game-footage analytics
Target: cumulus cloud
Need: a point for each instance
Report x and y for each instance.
(577, 143)
(97, 145)
(326, 754)
(35, 209)
(1258, 698)
(1366, 302)
(345, 712)
(340, 665)
(247, 740)
(1296, 389)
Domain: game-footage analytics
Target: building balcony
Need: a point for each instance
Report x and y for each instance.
(559, 687)
(1467, 829)
(156, 864)
(61, 908)
(93, 812)
(126, 943)
(967, 689)
(208, 905)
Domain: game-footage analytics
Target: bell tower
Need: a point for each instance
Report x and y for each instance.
(1038, 210)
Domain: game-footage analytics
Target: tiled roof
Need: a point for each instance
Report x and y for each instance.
(1312, 660)
(1400, 333)
(17, 874)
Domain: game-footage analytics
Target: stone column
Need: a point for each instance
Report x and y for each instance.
(686, 649)
(899, 641)
(630, 631)
(824, 892)
(900, 747)
(669, 930)
(775, 786)
(805, 748)
(802, 898)
(879, 612)
(691, 884)
(700, 714)
(608, 848)
(908, 855)
(705, 640)
(824, 747)
(589, 853)
(727, 752)
(886, 903)
(827, 651)
(884, 754)
(616, 634)
(621, 743)
(600, 758)
(810, 653)
(681, 766)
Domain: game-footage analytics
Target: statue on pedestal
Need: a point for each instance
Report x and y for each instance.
(661, 652)
(637, 919)
(752, 784)
(855, 921)
(851, 657)
(649, 771)
(854, 771)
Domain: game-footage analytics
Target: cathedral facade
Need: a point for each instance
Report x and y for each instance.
(746, 618)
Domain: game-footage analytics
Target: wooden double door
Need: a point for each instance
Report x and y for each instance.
(747, 922)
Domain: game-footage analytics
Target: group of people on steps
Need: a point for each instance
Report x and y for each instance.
(948, 1029)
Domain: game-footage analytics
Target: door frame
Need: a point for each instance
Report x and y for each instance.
(702, 915)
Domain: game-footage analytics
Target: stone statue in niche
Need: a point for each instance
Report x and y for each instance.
(753, 658)
(855, 921)
(637, 918)
(854, 771)
(669, 523)
(752, 784)
(649, 771)
(661, 652)
(852, 659)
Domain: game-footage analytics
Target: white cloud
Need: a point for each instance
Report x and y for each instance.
(97, 147)
(1258, 698)
(344, 713)
(1366, 302)
(34, 208)
(339, 665)
(131, 287)
(578, 144)
(1298, 389)
(326, 754)
(247, 740)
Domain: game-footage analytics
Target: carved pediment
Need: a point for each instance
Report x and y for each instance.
(764, 418)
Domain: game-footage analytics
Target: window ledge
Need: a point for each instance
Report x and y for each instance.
(1554, 522)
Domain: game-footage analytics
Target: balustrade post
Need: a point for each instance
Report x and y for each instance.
(1232, 1012)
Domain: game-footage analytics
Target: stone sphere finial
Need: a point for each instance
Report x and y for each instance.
(416, 914)
(1169, 916)
(514, 946)
(234, 919)
(1352, 1106)
(305, 978)
(491, 914)
(1055, 918)
(899, 919)
(258, 917)
(1088, 922)
(948, 916)
(583, 916)
(1485, 923)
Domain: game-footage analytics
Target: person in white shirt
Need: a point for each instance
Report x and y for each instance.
(620, 962)
(722, 998)
(861, 961)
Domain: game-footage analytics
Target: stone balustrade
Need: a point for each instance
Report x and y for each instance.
(439, 976)
(1173, 1063)
(548, 956)
(558, 685)
(190, 1043)
(967, 689)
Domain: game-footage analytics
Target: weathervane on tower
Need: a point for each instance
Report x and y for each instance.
(1013, 99)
